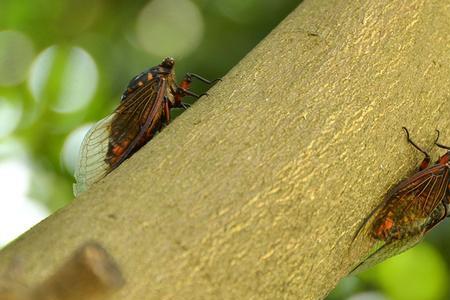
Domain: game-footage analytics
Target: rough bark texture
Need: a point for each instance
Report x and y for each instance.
(255, 192)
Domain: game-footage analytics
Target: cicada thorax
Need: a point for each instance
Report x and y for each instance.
(138, 82)
(165, 69)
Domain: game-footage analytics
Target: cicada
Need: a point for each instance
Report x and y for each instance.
(143, 111)
(412, 208)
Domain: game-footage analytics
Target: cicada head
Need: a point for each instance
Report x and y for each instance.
(168, 63)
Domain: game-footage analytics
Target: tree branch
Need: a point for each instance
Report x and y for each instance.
(256, 191)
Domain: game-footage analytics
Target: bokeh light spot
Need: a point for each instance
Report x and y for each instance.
(40, 72)
(169, 28)
(10, 113)
(72, 145)
(66, 78)
(368, 296)
(16, 54)
(417, 274)
(10, 147)
(237, 10)
(17, 212)
(80, 81)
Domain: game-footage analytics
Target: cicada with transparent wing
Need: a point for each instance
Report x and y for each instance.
(143, 111)
(410, 210)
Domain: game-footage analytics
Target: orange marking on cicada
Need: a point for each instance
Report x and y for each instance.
(117, 150)
(184, 86)
(424, 164)
(382, 231)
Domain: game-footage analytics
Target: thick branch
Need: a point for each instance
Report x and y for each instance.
(257, 189)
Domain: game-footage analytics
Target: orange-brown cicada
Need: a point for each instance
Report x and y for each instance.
(410, 209)
(144, 110)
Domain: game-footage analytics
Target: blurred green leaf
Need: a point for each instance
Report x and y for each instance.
(417, 274)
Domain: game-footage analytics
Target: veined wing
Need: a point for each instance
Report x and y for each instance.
(115, 138)
(416, 197)
(409, 207)
(135, 121)
(412, 208)
(426, 190)
(91, 165)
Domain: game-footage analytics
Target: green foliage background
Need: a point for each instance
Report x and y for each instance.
(108, 36)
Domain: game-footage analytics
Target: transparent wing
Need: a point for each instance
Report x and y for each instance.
(91, 165)
(118, 136)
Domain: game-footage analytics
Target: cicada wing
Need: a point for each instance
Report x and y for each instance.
(118, 136)
(135, 121)
(414, 233)
(412, 201)
(428, 188)
(382, 251)
(91, 165)
(412, 208)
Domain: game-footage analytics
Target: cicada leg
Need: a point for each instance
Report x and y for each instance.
(167, 110)
(189, 77)
(183, 89)
(444, 159)
(426, 161)
(438, 144)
